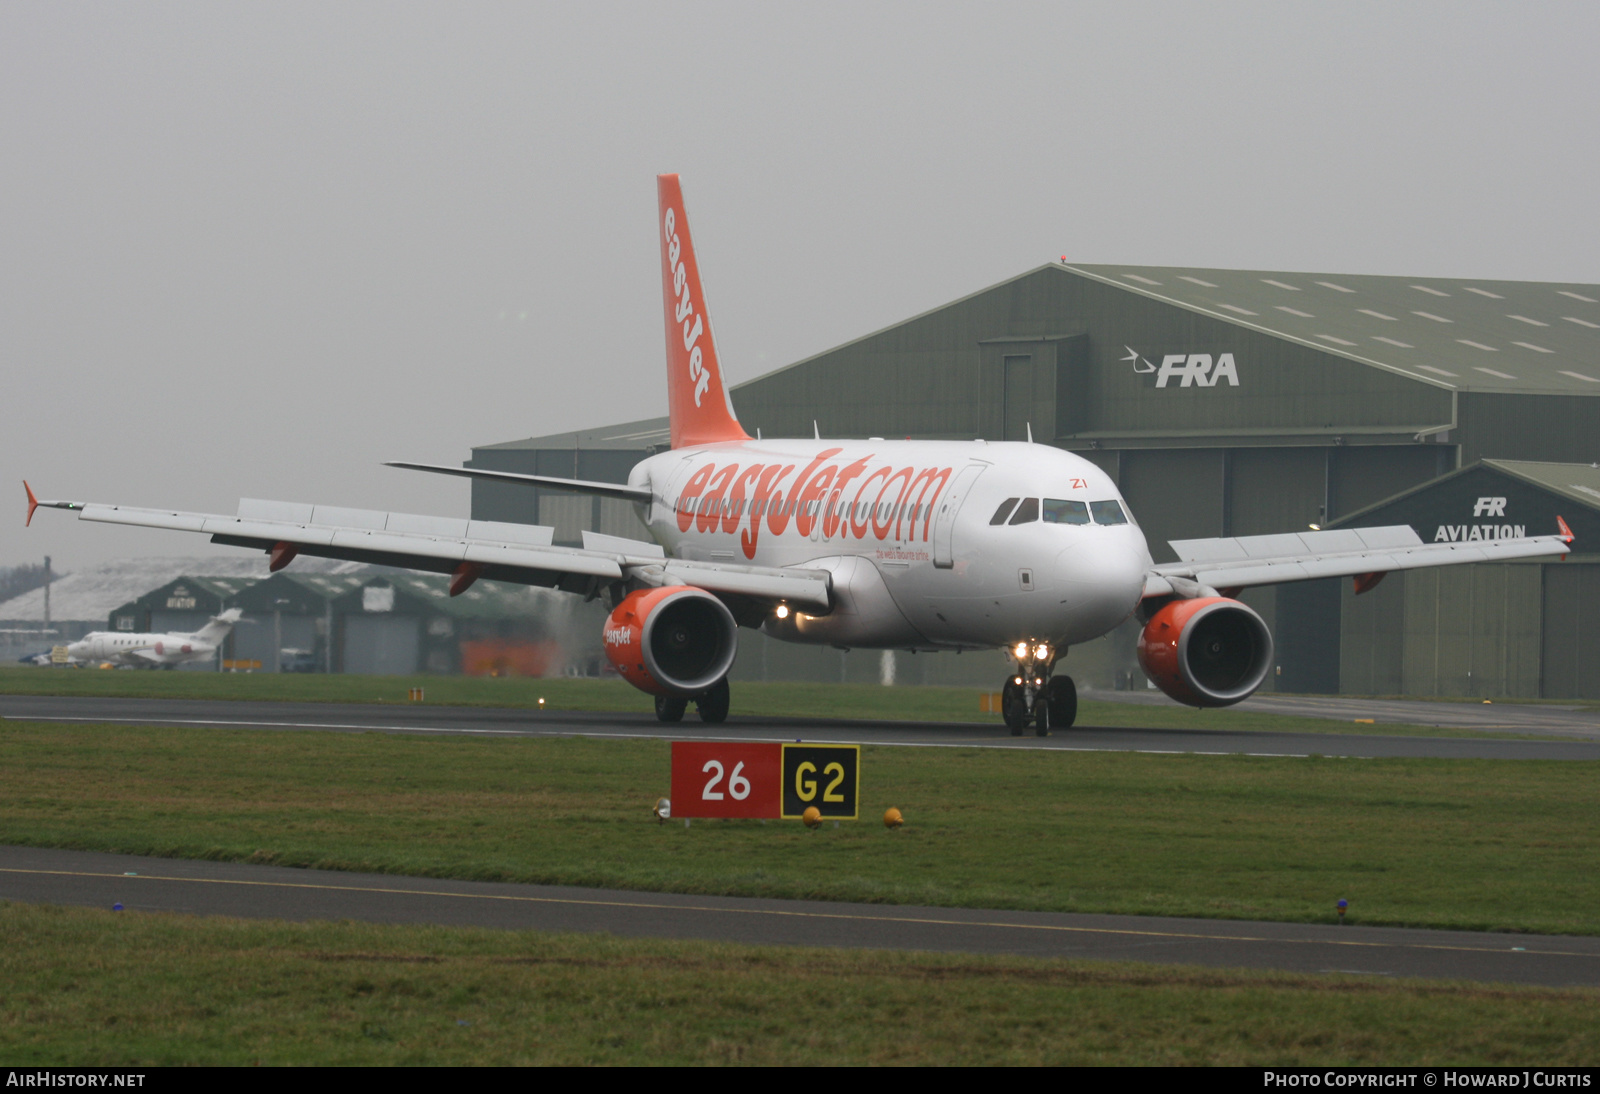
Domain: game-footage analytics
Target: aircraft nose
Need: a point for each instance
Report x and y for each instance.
(1102, 581)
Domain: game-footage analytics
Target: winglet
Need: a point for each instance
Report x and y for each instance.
(33, 503)
(1566, 532)
(700, 411)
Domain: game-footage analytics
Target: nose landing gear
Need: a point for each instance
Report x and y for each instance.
(1032, 694)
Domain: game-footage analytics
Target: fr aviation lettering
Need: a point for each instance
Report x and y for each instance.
(1469, 533)
(1464, 533)
(1189, 369)
(846, 501)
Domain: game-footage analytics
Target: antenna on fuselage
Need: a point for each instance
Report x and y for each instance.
(1030, 432)
(816, 430)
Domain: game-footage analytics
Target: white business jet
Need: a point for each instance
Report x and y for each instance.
(153, 651)
(917, 545)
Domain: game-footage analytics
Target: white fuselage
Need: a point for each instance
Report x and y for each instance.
(906, 527)
(145, 650)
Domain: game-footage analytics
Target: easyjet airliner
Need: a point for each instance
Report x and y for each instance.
(919, 545)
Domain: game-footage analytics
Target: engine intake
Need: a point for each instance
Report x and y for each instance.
(1206, 652)
(677, 640)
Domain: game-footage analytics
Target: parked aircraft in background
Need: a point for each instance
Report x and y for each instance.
(917, 545)
(151, 651)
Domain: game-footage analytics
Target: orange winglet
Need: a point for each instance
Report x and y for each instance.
(1566, 533)
(33, 503)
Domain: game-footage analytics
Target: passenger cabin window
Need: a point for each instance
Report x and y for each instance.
(1057, 511)
(1027, 512)
(1108, 512)
(1004, 511)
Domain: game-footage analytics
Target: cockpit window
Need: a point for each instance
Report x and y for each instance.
(1003, 512)
(1108, 512)
(1027, 512)
(1057, 511)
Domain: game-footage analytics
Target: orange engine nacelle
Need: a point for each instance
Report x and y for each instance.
(1206, 652)
(673, 641)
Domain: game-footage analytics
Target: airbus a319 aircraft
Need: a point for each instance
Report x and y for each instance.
(153, 651)
(916, 545)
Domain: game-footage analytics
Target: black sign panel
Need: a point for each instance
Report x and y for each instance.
(826, 776)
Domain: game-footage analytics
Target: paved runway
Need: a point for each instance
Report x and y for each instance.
(33, 875)
(1550, 719)
(491, 721)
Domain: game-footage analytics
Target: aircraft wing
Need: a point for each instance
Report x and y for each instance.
(1366, 554)
(520, 553)
(577, 486)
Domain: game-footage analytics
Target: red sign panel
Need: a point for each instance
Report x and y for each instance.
(732, 779)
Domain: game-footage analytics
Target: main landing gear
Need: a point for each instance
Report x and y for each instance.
(712, 705)
(1033, 695)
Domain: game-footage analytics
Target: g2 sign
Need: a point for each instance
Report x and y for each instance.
(764, 780)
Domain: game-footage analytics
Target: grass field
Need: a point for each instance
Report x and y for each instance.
(99, 988)
(912, 703)
(1439, 843)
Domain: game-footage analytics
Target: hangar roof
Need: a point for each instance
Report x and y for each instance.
(1578, 481)
(1527, 337)
(93, 593)
(627, 437)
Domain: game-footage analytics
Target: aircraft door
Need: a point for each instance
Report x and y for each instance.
(944, 520)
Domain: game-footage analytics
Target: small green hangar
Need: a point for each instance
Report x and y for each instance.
(1224, 403)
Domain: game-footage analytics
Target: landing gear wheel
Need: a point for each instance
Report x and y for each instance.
(1042, 721)
(670, 708)
(1014, 707)
(1061, 700)
(713, 705)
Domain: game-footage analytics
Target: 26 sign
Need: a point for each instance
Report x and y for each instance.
(744, 779)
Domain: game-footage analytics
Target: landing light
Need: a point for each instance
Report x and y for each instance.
(783, 611)
(1021, 651)
(1040, 653)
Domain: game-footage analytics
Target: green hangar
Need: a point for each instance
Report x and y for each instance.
(1227, 403)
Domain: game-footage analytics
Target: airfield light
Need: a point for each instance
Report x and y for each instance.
(662, 810)
(1342, 905)
(783, 611)
(541, 702)
(117, 907)
(812, 817)
(892, 818)
(1021, 651)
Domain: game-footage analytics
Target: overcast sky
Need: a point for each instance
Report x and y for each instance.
(256, 249)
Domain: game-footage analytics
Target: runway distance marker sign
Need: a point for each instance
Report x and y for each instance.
(726, 779)
(764, 779)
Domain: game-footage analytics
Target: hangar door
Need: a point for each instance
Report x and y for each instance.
(1571, 650)
(381, 645)
(260, 637)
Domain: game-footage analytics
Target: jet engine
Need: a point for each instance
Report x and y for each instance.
(677, 640)
(1206, 652)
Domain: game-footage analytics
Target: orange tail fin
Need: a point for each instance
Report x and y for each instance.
(697, 399)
